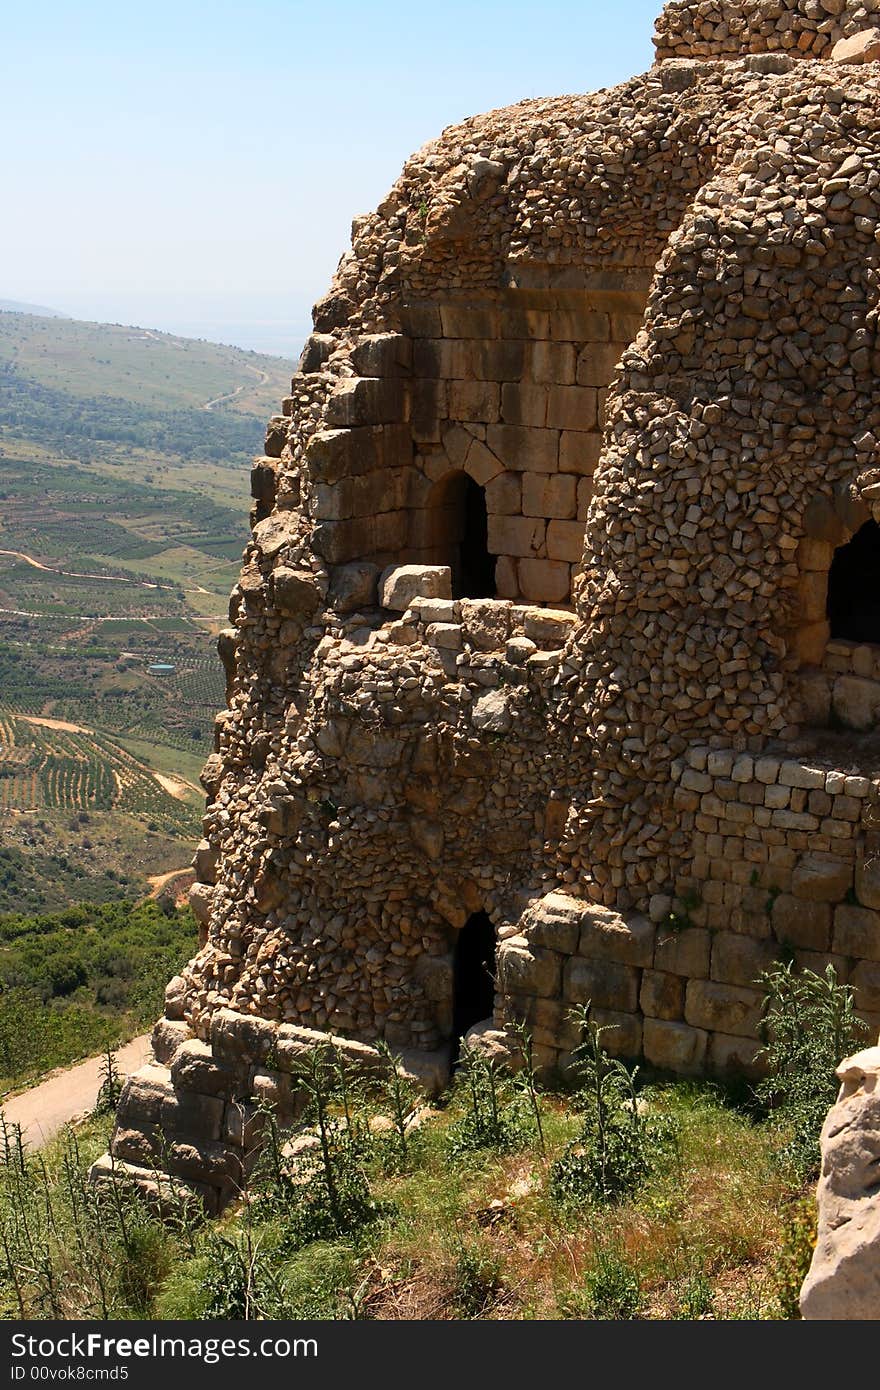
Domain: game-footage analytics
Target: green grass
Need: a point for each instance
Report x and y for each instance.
(75, 981)
(718, 1234)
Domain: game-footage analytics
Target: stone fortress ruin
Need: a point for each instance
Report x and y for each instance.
(554, 662)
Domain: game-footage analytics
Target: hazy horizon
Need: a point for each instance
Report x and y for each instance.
(195, 169)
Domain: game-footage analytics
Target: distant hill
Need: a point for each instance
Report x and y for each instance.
(140, 366)
(13, 306)
(125, 459)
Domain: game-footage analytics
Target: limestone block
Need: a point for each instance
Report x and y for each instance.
(482, 464)
(366, 401)
(400, 585)
(550, 495)
(579, 452)
(733, 1054)
(239, 1037)
(276, 436)
(544, 581)
(527, 969)
(550, 362)
(856, 932)
(565, 541)
(516, 535)
(497, 361)
(486, 623)
(194, 1068)
(478, 401)
(801, 923)
(683, 952)
(227, 646)
(815, 555)
(604, 983)
(596, 363)
(606, 935)
(723, 1008)
(275, 532)
(201, 896)
(548, 628)
(467, 321)
(554, 921)
(863, 47)
(353, 586)
(810, 642)
(207, 1162)
(296, 591)
(844, 1279)
(523, 449)
(821, 878)
(524, 403)
(205, 862)
(868, 881)
(865, 979)
(491, 713)
(504, 494)
(143, 1096)
(382, 354)
(739, 960)
(624, 1035)
(175, 997)
(856, 702)
(815, 698)
(661, 995)
(793, 774)
(168, 1035)
(573, 408)
(674, 1047)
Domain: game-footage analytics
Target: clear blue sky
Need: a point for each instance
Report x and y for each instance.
(188, 165)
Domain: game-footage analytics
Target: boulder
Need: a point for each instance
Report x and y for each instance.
(399, 585)
(863, 47)
(844, 1279)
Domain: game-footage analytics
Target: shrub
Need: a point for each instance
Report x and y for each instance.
(619, 1146)
(492, 1119)
(808, 1026)
(611, 1290)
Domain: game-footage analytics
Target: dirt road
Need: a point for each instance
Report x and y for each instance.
(44, 1109)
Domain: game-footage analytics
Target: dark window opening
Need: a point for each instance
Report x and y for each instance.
(854, 587)
(460, 536)
(473, 975)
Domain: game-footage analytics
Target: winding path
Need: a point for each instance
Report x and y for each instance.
(231, 395)
(46, 1108)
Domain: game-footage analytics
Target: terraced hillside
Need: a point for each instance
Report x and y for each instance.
(124, 479)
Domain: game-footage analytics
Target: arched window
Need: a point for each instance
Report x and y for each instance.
(460, 535)
(854, 587)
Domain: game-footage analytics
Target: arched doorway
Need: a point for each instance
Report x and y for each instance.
(473, 976)
(460, 530)
(854, 587)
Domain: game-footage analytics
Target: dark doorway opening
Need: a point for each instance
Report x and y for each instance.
(473, 976)
(460, 535)
(477, 579)
(854, 587)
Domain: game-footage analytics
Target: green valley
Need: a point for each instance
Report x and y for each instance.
(124, 466)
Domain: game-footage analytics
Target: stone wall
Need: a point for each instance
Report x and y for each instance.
(732, 28)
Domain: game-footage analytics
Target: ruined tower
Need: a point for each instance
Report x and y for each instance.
(554, 662)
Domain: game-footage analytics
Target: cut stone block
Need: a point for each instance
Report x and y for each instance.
(400, 585)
